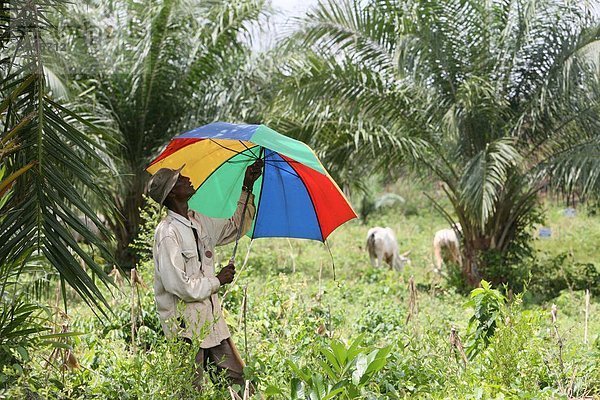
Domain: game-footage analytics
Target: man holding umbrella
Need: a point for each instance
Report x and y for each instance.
(185, 283)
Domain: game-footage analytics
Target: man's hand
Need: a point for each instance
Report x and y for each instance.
(226, 274)
(252, 173)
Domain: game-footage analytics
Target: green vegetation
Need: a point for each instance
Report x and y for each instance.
(307, 333)
(426, 112)
(492, 99)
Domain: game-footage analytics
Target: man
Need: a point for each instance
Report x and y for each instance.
(185, 284)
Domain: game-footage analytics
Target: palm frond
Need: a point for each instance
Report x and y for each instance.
(37, 219)
(365, 34)
(485, 176)
(576, 168)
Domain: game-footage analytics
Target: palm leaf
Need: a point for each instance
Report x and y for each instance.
(52, 162)
(484, 178)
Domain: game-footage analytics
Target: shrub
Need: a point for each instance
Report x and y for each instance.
(487, 306)
(550, 276)
(344, 373)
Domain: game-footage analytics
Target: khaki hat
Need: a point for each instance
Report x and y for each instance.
(162, 182)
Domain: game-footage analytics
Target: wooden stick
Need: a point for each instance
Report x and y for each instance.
(247, 390)
(133, 284)
(320, 291)
(587, 316)
(412, 301)
(241, 318)
(457, 345)
(235, 352)
(234, 395)
(559, 341)
(244, 313)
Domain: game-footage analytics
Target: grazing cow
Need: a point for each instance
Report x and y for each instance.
(382, 246)
(447, 241)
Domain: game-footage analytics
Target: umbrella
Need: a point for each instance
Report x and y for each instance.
(295, 196)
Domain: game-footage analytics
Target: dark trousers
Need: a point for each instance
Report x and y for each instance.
(219, 361)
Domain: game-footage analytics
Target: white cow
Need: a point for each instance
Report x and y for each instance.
(446, 239)
(382, 246)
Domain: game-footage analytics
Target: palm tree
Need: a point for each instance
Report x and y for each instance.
(46, 161)
(156, 68)
(493, 98)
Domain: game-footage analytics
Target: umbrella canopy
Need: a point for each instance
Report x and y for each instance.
(295, 196)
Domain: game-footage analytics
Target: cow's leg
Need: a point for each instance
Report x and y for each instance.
(371, 249)
(388, 260)
(379, 260)
(372, 259)
(459, 256)
(437, 256)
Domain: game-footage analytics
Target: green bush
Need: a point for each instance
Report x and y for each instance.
(487, 304)
(549, 276)
(345, 372)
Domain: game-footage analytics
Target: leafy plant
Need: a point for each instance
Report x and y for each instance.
(487, 306)
(17, 329)
(291, 316)
(26, 327)
(551, 275)
(369, 205)
(345, 372)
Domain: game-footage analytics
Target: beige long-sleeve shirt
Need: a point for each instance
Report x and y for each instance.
(185, 286)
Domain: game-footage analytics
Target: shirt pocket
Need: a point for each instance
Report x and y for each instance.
(192, 264)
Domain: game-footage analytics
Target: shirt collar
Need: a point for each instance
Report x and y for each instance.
(180, 218)
(191, 222)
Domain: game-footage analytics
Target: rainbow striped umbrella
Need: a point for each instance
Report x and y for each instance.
(296, 197)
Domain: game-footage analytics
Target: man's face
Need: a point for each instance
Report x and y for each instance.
(183, 189)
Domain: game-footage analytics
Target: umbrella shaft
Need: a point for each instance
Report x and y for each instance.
(239, 234)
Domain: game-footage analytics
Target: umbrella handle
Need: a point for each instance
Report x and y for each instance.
(261, 154)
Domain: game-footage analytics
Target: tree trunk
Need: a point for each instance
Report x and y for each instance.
(127, 228)
(472, 266)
